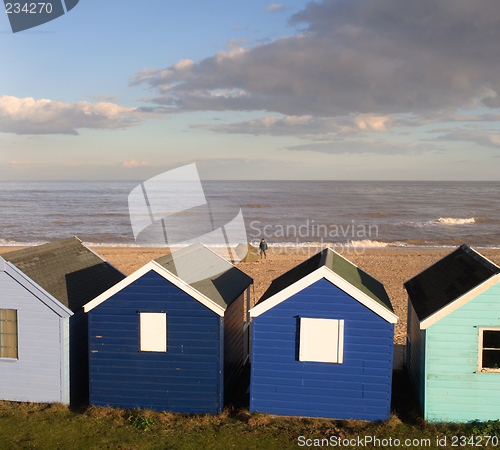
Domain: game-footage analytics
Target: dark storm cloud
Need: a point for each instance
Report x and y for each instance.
(352, 57)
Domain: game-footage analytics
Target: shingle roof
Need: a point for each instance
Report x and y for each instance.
(214, 277)
(448, 279)
(339, 265)
(66, 269)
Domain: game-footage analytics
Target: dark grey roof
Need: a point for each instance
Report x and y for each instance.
(208, 273)
(339, 265)
(66, 269)
(447, 279)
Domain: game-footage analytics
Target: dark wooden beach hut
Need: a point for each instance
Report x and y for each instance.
(322, 343)
(453, 340)
(43, 329)
(165, 343)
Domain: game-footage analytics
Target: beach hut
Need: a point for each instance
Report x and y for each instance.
(43, 331)
(453, 340)
(322, 343)
(162, 342)
(247, 253)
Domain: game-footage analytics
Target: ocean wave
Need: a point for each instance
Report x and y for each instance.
(12, 243)
(454, 221)
(445, 221)
(356, 244)
(368, 243)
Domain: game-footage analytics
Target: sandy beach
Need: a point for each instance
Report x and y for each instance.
(392, 266)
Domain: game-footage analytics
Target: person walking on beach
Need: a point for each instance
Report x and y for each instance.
(263, 248)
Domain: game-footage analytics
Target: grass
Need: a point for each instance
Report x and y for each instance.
(41, 426)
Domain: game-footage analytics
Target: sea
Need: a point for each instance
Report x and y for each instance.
(364, 214)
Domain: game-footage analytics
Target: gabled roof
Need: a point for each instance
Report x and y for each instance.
(338, 270)
(221, 283)
(458, 275)
(212, 275)
(67, 270)
(34, 288)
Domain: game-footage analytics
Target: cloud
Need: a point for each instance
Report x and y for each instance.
(30, 116)
(378, 146)
(274, 7)
(133, 163)
(480, 136)
(306, 127)
(106, 97)
(381, 58)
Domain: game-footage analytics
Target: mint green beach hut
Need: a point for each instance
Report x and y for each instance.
(453, 340)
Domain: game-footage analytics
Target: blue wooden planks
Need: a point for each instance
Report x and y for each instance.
(359, 388)
(186, 378)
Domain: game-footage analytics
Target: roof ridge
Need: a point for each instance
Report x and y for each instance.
(480, 258)
(194, 247)
(36, 249)
(100, 257)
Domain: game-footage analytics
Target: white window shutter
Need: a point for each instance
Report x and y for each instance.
(321, 340)
(153, 330)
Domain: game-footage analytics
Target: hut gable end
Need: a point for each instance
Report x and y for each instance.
(295, 372)
(184, 378)
(322, 343)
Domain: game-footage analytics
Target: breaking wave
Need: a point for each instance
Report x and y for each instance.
(453, 221)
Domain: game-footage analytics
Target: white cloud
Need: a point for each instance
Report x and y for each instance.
(274, 7)
(30, 116)
(307, 127)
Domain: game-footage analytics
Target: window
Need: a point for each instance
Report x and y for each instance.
(489, 350)
(153, 330)
(321, 340)
(8, 333)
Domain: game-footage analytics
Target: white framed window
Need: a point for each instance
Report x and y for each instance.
(153, 332)
(8, 333)
(489, 350)
(321, 340)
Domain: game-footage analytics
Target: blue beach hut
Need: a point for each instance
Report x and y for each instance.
(322, 343)
(162, 342)
(453, 340)
(43, 330)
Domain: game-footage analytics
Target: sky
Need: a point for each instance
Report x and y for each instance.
(325, 90)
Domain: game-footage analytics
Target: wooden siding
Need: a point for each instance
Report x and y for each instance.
(37, 375)
(359, 388)
(234, 321)
(455, 392)
(187, 378)
(415, 356)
